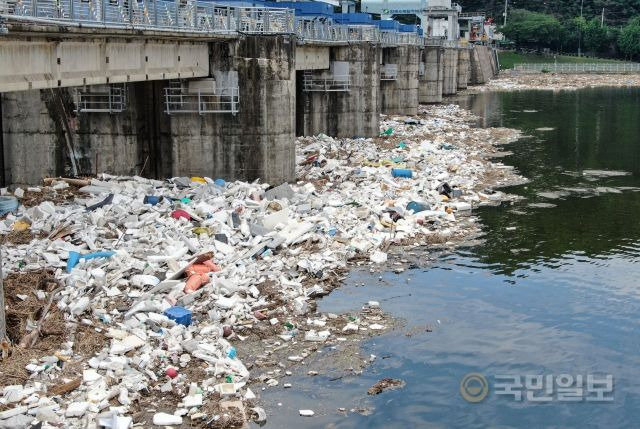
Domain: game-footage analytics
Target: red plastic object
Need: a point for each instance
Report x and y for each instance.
(177, 214)
(171, 372)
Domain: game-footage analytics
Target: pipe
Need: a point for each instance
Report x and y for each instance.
(2, 176)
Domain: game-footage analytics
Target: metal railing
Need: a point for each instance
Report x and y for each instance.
(394, 38)
(314, 31)
(338, 83)
(198, 16)
(429, 41)
(101, 99)
(579, 68)
(179, 100)
(185, 15)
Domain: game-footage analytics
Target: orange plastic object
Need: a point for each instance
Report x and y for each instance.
(197, 269)
(195, 282)
(214, 268)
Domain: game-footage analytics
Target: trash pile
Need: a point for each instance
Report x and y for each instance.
(513, 81)
(175, 274)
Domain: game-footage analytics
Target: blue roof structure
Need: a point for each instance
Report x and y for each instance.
(353, 18)
(305, 8)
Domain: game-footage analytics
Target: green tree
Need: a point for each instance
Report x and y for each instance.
(629, 39)
(533, 29)
(596, 36)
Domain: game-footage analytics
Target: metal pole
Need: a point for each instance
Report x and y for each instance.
(3, 320)
(580, 36)
(506, 3)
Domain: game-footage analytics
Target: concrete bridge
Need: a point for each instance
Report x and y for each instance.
(190, 88)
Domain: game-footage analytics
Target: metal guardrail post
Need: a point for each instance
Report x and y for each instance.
(195, 16)
(267, 21)
(177, 19)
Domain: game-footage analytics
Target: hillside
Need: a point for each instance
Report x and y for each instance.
(617, 12)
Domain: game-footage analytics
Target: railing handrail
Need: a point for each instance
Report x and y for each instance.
(162, 15)
(197, 16)
(578, 67)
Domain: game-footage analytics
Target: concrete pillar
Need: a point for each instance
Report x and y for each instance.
(450, 84)
(400, 96)
(493, 55)
(430, 90)
(478, 76)
(256, 143)
(463, 68)
(41, 131)
(355, 113)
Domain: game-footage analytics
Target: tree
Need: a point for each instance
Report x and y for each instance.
(533, 29)
(629, 39)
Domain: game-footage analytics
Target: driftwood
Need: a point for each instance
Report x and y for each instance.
(61, 389)
(30, 339)
(76, 182)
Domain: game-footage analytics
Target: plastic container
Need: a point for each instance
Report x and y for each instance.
(151, 199)
(8, 204)
(402, 172)
(417, 207)
(180, 314)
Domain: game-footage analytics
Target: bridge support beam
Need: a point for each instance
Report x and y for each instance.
(44, 63)
(256, 143)
(463, 68)
(400, 96)
(450, 84)
(430, 84)
(352, 113)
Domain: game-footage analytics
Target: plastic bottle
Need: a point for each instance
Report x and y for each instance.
(402, 172)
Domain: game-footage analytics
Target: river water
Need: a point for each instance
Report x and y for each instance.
(546, 307)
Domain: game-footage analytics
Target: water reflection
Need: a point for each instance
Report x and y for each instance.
(567, 209)
(557, 295)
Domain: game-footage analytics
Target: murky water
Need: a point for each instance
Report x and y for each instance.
(553, 291)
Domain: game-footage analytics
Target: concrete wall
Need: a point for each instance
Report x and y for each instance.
(400, 96)
(450, 83)
(430, 85)
(309, 57)
(258, 142)
(478, 76)
(45, 63)
(464, 70)
(483, 64)
(355, 113)
(40, 131)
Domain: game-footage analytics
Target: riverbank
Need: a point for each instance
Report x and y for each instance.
(207, 291)
(512, 81)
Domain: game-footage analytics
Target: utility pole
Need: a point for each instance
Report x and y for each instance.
(3, 320)
(580, 32)
(506, 3)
